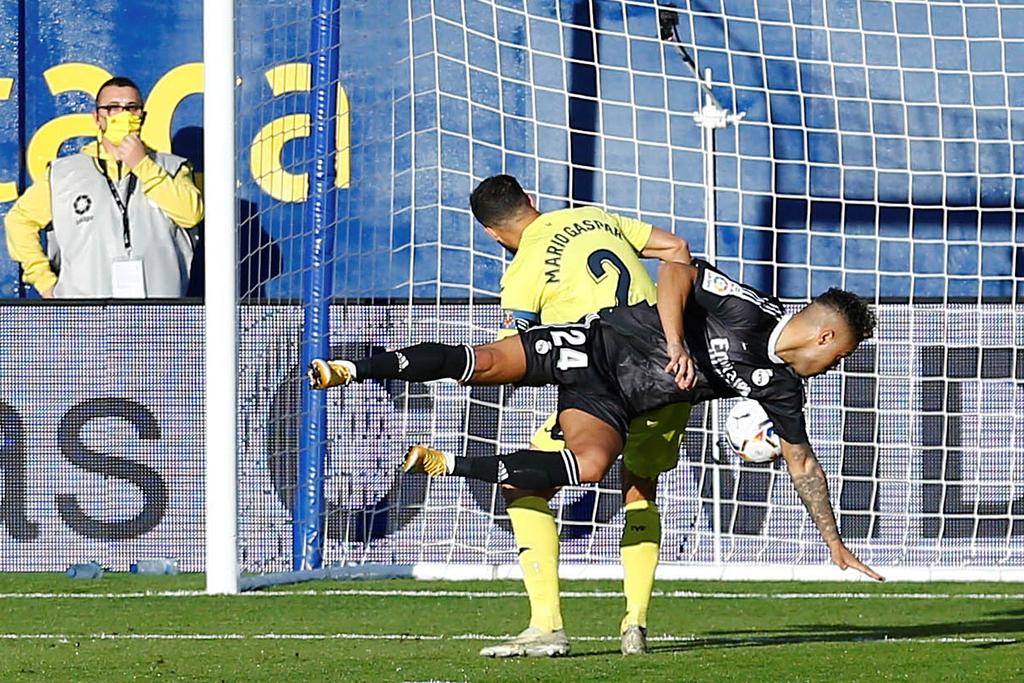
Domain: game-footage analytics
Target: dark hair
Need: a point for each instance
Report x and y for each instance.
(858, 314)
(118, 82)
(498, 199)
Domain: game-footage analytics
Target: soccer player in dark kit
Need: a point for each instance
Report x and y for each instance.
(708, 337)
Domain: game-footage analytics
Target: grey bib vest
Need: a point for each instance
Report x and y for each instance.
(88, 232)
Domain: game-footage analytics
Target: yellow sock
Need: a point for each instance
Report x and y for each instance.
(641, 541)
(537, 540)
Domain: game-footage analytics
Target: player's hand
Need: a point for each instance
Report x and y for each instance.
(843, 558)
(681, 365)
(131, 150)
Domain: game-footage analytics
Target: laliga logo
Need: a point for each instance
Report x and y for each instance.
(720, 285)
(81, 204)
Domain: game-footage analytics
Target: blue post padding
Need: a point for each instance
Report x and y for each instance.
(308, 512)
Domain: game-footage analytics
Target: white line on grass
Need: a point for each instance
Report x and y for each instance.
(696, 595)
(215, 636)
(696, 639)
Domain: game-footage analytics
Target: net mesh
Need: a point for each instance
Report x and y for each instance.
(878, 153)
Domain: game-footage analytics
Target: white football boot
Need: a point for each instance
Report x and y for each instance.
(634, 640)
(532, 642)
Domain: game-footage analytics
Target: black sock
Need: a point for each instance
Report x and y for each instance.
(420, 363)
(525, 469)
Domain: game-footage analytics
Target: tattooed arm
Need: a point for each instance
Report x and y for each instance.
(812, 487)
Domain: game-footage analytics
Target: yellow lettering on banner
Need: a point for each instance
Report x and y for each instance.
(343, 151)
(268, 144)
(173, 87)
(46, 143)
(265, 150)
(265, 158)
(8, 190)
(75, 76)
(292, 77)
(168, 93)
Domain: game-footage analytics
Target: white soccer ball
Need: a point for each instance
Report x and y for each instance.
(751, 433)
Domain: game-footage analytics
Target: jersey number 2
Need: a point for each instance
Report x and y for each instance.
(597, 264)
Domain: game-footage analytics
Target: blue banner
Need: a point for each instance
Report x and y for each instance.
(878, 150)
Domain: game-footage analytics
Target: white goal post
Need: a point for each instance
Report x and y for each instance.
(222, 571)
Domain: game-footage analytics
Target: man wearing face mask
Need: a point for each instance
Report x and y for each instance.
(120, 213)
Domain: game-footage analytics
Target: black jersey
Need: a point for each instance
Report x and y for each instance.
(731, 331)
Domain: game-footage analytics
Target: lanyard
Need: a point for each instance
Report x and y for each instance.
(121, 204)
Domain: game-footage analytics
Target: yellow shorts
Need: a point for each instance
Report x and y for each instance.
(652, 446)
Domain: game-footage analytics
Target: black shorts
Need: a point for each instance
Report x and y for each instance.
(572, 357)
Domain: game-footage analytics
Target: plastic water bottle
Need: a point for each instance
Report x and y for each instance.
(84, 570)
(158, 566)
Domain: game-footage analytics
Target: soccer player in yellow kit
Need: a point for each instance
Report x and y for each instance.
(567, 264)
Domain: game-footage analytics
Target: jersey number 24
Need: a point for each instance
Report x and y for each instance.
(569, 358)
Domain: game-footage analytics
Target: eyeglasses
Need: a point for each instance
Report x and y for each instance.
(114, 109)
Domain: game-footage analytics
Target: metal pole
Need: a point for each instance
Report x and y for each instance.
(321, 213)
(711, 117)
(711, 243)
(220, 301)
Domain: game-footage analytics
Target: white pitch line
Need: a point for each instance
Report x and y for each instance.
(694, 595)
(695, 639)
(215, 636)
(842, 596)
(106, 596)
(780, 638)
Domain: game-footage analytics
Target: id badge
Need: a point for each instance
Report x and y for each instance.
(127, 279)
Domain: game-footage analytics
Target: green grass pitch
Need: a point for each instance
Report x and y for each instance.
(431, 631)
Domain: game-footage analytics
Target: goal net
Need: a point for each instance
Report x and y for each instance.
(879, 152)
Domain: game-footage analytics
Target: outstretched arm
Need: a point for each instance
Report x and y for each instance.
(812, 486)
(666, 247)
(675, 283)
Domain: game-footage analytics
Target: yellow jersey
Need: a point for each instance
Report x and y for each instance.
(573, 262)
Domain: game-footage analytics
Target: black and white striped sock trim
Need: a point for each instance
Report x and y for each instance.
(572, 468)
(470, 364)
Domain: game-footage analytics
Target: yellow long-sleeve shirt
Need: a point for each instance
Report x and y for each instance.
(177, 196)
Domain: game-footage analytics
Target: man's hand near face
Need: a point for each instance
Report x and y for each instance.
(131, 150)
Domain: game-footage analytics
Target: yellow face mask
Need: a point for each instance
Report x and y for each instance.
(122, 124)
